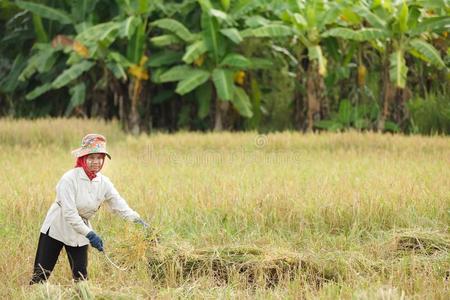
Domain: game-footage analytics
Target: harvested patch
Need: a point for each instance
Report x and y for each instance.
(422, 242)
(249, 265)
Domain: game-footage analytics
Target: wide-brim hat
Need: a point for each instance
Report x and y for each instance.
(91, 143)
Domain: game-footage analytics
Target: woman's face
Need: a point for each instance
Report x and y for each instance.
(94, 161)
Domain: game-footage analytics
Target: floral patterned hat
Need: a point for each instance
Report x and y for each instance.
(92, 143)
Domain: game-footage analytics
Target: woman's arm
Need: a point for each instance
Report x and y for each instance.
(117, 204)
(65, 193)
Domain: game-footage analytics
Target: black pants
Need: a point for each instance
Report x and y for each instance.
(47, 254)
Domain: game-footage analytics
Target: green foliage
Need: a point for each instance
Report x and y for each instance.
(163, 58)
(46, 11)
(175, 27)
(42, 61)
(72, 73)
(9, 83)
(364, 34)
(360, 117)
(203, 96)
(211, 54)
(78, 93)
(76, 49)
(176, 73)
(223, 81)
(430, 115)
(237, 61)
(233, 34)
(242, 102)
(189, 83)
(428, 52)
(398, 70)
(194, 51)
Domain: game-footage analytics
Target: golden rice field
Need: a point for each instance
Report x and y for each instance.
(238, 215)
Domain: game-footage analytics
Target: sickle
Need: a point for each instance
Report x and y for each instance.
(112, 263)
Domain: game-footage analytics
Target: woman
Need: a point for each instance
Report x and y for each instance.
(79, 194)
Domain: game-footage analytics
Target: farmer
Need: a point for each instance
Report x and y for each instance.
(79, 194)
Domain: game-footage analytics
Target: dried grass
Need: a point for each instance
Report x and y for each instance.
(252, 265)
(420, 242)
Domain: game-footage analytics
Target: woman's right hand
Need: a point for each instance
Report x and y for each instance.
(95, 241)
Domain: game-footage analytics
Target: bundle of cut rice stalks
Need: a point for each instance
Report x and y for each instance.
(420, 242)
(252, 265)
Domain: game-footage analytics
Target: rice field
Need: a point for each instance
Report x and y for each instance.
(238, 215)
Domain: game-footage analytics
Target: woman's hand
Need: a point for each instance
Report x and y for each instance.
(141, 222)
(150, 234)
(95, 241)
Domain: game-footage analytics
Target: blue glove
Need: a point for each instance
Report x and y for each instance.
(141, 222)
(95, 241)
(150, 234)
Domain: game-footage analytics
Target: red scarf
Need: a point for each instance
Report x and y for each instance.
(81, 162)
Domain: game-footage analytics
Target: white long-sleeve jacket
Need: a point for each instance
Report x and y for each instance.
(77, 200)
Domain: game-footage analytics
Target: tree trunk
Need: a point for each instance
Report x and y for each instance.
(317, 102)
(400, 113)
(299, 103)
(173, 113)
(99, 104)
(103, 99)
(321, 90)
(387, 91)
(134, 92)
(11, 106)
(394, 101)
(147, 119)
(221, 108)
(218, 123)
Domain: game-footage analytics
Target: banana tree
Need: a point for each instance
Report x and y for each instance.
(92, 47)
(394, 31)
(17, 36)
(212, 66)
(49, 52)
(309, 19)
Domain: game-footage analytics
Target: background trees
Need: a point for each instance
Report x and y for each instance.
(203, 65)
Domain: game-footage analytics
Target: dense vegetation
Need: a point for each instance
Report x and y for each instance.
(236, 65)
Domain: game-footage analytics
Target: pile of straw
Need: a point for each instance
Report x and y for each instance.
(263, 267)
(421, 242)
